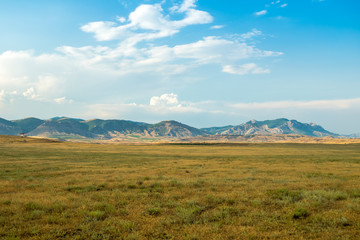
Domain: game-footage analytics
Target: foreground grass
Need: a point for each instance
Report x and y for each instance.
(51, 190)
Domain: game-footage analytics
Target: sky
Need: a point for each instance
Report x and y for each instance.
(203, 63)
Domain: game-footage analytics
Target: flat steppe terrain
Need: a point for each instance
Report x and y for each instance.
(60, 190)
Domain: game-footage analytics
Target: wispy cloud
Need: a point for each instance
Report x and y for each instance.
(277, 4)
(260, 13)
(317, 104)
(249, 68)
(217, 26)
(253, 33)
(7, 96)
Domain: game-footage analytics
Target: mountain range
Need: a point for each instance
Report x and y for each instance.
(272, 127)
(70, 128)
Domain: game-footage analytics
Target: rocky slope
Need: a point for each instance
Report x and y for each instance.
(272, 127)
(173, 129)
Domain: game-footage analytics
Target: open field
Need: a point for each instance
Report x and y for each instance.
(59, 190)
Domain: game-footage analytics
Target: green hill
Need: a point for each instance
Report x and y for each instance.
(173, 129)
(28, 124)
(9, 128)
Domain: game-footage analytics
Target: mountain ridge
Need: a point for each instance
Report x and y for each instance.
(65, 128)
(271, 127)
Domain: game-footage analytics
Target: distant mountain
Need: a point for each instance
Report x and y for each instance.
(71, 128)
(173, 129)
(272, 127)
(9, 128)
(107, 128)
(28, 124)
(62, 127)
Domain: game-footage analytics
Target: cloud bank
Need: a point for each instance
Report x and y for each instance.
(92, 73)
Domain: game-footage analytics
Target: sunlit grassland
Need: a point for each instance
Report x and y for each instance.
(245, 191)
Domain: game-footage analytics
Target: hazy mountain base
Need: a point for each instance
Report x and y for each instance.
(213, 139)
(281, 138)
(217, 139)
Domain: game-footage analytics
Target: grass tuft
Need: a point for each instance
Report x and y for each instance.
(96, 215)
(154, 211)
(32, 206)
(285, 195)
(300, 213)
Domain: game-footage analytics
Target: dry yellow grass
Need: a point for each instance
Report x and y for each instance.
(242, 191)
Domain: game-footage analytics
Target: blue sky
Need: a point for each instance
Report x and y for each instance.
(204, 63)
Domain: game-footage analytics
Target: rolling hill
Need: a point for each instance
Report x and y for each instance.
(9, 128)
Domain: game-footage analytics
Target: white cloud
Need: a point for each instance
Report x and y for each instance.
(253, 33)
(260, 13)
(62, 100)
(186, 5)
(219, 50)
(121, 19)
(167, 99)
(168, 102)
(217, 27)
(283, 5)
(4, 95)
(151, 19)
(43, 89)
(249, 68)
(48, 85)
(11, 72)
(124, 60)
(70, 70)
(30, 94)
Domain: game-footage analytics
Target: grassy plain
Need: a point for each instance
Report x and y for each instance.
(58, 190)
